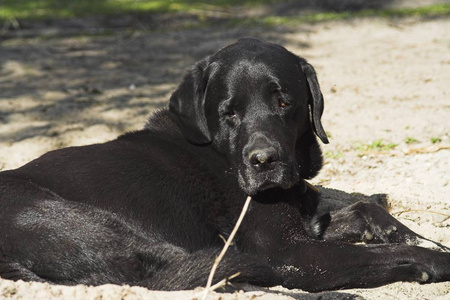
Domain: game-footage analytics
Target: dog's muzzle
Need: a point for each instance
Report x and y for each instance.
(265, 166)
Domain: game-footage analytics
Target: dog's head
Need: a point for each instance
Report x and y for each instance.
(258, 105)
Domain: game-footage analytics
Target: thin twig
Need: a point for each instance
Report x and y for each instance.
(420, 210)
(214, 287)
(225, 247)
(430, 149)
(223, 239)
(311, 186)
(425, 150)
(223, 281)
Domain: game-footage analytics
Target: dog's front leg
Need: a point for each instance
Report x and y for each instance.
(369, 223)
(274, 232)
(320, 265)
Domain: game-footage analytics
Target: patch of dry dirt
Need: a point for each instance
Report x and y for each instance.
(382, 80)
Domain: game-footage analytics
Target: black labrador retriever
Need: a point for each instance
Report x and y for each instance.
(151, 207)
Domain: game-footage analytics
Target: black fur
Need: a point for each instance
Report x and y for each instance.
(149, 208)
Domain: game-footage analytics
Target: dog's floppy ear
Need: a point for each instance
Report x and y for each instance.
(188, 105)
(316, 99)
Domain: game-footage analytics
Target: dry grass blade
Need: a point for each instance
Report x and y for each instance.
(421, 211)
(431, 149)
(225, 248)
(311, 186)
(214, 287)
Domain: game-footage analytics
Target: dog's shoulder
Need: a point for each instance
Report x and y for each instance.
(160, 120)
(158, 130)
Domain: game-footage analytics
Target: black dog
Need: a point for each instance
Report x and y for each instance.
(149, 208)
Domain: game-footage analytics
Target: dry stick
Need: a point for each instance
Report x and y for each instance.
(224, 281)
(429, 149)
(420, 210)
(216, 286)
(225, 247)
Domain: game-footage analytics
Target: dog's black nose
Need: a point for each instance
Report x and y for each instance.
(263, 158)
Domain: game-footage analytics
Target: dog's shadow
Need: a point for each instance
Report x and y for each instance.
(333, 199)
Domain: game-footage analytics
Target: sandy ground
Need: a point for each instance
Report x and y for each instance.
(382, 80)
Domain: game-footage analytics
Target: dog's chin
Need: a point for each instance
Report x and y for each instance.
(255, 182)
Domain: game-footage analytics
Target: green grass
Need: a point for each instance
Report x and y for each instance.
(411, 140)
(42, 9)
(437, 10)
(377, 145)
(435, 140)
(333, 155)
(48, 9)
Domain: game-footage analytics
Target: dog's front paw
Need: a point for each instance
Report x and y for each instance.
(369, 223)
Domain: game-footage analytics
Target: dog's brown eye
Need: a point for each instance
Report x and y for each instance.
(282, 103)
(280, 98)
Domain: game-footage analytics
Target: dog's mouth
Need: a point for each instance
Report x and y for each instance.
(253, 182)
